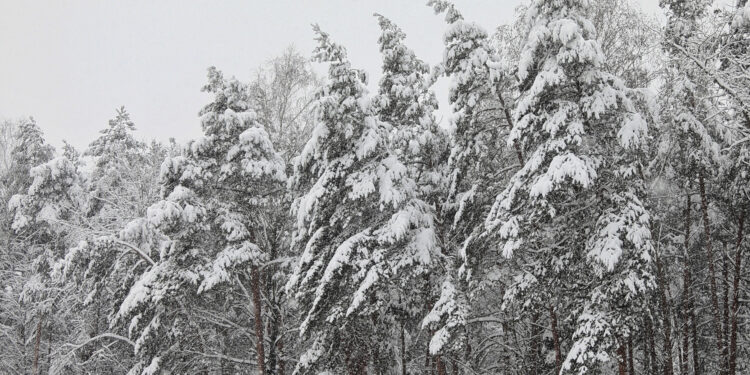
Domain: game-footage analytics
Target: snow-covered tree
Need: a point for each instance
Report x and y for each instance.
(22, 315)
(477, 167)
(40, 215)
(574, 212)
(406, 101)
(119, 188)
(361, 226)
(30, 150)
(203, 242)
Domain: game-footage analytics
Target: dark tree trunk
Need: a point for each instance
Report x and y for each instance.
(258, 320)
(534, 346)
(725, 321)
(622, 360)
(631, 364)
(427, 357)
(653, 365)
(49, 350)
(37, 343)
(694, 332)
(687, 293)
(665, 311)
(24, 353)
(509, 118)
(555, 338)
(440, 366)
(736, 297)
(273, 337)
(280, 353)
(712, 271)
(403, 349)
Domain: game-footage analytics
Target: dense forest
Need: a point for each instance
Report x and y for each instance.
(578, 205)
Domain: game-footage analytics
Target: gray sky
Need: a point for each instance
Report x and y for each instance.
(71, 63)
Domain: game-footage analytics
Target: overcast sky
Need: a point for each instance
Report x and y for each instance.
(71, 63)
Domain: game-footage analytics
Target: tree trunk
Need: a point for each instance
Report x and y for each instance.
(622, 360)
(725, 303)
(403, 349)
(258, 320)
(509, 118)
(555, 338)
(712, 271)
(427, 357)
(440, 366)
(223, 363)
(534, 347)
(24, 353)
(273, 337)
(736, 297)
(631, 365)
(665, 311)
(687, 294)
(37, 343)
(694, 332)
(49, 350)
(377, 365)
(651, 346)
(280, 351)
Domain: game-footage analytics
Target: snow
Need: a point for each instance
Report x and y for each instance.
(562, 167)
(633, 132)
(226, 261)
(135, 230)
(152, 368)
(360, 295)
(369, 140)
(449, 310)
(164, 213)
(146, 290)
(742, 17)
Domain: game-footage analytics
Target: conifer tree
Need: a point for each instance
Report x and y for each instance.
(477, 162)
(120, 177)
(406, 101)
(202, 241)
(360, 224)
(573, 212)
(39, 215)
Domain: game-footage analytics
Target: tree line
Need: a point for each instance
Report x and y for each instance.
(580, 209)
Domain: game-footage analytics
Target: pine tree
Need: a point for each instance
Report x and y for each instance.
(23, 245)
(476, 166)
(573, 212)
(31, 150)
(118, 189)
(203, 242)
(39, 221)
(405, 100)
(360, 224)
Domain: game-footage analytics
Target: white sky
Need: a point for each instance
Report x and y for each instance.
(71, 63)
